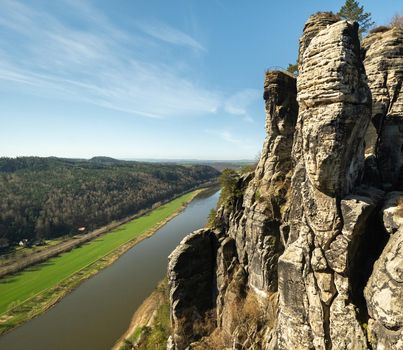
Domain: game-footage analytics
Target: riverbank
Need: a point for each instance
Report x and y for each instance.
(65, 272)
(149, 323)
(36, 255)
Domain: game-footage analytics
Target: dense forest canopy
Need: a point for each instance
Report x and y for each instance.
(48, 197)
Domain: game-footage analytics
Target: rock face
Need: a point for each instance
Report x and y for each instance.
(265, 197)
(384, 290)
(190, 271)
(334, 112)
(307, 231)
(249, 240)
(312, 27)
(384, 66)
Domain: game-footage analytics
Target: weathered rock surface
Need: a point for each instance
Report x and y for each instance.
(265, 197)
(384, 66)
(384, 290)
(334, 102)
(313, 26)
(311, 226)
(250, 238)
(334, 112)
(191, 282)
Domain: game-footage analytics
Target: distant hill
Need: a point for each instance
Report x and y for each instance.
(48, 197)
(220, 165)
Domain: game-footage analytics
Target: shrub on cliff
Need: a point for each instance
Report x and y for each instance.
(379, 29)
(211, 222)
(293, 68)
(229, 190)
(397, 21)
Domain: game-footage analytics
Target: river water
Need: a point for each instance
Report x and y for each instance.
(98, 312)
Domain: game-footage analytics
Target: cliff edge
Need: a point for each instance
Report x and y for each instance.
(308, 251)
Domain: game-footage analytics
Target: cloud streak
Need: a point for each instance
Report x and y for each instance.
(224, 135)
(98, 65)
(44, 54)
(239, 103)
(234, 141)
(169, 35)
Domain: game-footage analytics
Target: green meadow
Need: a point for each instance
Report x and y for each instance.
(18, 288)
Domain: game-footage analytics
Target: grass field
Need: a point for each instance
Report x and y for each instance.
(22, 252)
(18, 288)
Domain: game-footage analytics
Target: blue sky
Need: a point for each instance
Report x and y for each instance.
(145, 78)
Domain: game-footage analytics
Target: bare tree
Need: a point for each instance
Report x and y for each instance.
(397, 21)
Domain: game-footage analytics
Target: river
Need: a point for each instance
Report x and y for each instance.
(98, 312)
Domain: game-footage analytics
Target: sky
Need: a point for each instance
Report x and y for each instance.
(178, 79)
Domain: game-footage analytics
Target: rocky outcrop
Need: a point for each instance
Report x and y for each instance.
(384, 66)
(191, 282)
(312, 27)
(334, 103)
(254, 226)
(249, 238)
(384, 290)
(312, 227)
(265, 197)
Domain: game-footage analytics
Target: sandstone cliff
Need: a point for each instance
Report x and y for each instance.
(383, 52)
(309, 252)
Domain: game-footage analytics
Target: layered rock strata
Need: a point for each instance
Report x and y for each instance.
(334, 112)
(384, 290)
(312, 27)
(191, 278)
(312, 226)
(383, 61)
(249, 239)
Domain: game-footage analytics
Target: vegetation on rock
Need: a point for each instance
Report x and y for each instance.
(293, 68)
(154, 336)
(228, 181)
(397, 21)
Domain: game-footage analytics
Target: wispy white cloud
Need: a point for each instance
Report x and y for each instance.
(237, 144)
(99, 64)
(224, 135)
(168, 34)
(95, 62)
(239, 103)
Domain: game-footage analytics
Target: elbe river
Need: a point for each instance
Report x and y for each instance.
(98, 312)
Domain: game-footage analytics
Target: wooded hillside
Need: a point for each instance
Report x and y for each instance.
(49, 197)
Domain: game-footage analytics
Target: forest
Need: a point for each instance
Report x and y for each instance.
(43, 198)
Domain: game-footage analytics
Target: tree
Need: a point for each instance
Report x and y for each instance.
(211, 218)
(352, 11)
(228, 181)
(397, 21)
(48, 197)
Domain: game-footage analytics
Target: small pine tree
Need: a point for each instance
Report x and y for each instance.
(228, 181)
(352, 11)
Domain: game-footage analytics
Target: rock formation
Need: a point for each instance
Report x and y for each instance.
(249, 239)
(384, 66)
(192, 293)
(384, 290)
(308, 252)
(334, 112)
